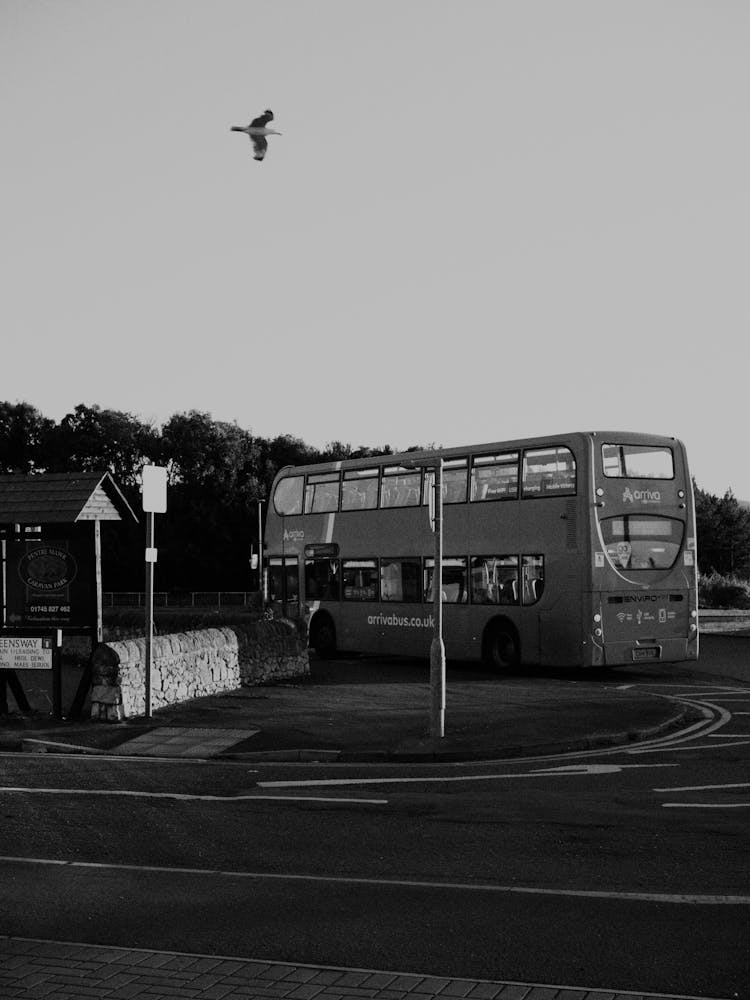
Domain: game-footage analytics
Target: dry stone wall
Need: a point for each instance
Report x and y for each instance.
(193, 664)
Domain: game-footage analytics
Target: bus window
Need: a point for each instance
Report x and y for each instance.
(283, 580)
(360, 579)
(533, 578)
(454, 480)
(399, 579)
(321, 579)
(637, 461)
(494, 579)
(287, 497)
(322, 493)
(494, 477)
(642, 541)
(360, 489)
(548, 471)
(455, 590)
(400, 487)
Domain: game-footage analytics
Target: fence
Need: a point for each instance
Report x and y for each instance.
(181, 599)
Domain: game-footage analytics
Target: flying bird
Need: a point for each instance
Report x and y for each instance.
(257, 131)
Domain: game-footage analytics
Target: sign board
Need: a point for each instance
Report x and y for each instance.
(154, 489)
(25, 653)
(49, 583)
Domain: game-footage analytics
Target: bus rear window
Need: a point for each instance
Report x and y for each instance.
(640, 541)
(637, 461)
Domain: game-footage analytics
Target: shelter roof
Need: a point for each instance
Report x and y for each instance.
(62, 498)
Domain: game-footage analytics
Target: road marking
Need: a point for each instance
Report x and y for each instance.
(183, 797)
(705, 805)
(681, 898)
(567, 770)
(702, 788)
(689, 746)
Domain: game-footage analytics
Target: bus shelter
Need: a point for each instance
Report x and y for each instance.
(50, 527)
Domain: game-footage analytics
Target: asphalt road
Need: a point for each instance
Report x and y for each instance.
(623, 868)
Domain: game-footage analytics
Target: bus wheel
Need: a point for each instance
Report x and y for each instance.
(501, 648)
(323, 636)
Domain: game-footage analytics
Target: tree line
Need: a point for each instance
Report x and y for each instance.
(217, 474)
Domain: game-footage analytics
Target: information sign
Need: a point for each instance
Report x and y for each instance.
(25, 652)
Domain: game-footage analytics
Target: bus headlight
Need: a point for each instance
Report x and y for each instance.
(693, 613)
(597, 617)
(693, 627)
(598, 632)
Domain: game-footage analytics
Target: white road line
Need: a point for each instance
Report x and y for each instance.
(705, 805)
(688, 746)
(682, 898)
(566, 771)
(702, 788)
(182, 797)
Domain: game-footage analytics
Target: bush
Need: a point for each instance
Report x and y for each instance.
(717, 591)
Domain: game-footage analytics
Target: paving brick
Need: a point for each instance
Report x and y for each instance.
(541, 993)
(303, 974)
(484, 991)
(276, 972)
(431, 985)
(513, 991)
(379, 980)
(457, 988)
(305, 991)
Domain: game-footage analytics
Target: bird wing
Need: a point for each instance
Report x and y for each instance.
(260, 146)
(262, 120)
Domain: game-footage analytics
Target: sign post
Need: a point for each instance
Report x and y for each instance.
(154, 502)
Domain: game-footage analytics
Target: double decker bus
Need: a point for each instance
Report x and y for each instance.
(569, 550)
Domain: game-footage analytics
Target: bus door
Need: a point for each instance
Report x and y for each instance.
(283, 585)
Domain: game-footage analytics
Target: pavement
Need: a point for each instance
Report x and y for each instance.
(364, 710)
(355, 710)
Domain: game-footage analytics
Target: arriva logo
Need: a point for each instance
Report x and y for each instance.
(293, 535)
(641, 496)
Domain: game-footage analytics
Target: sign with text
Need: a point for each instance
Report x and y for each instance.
(25, 653)
(49, 582)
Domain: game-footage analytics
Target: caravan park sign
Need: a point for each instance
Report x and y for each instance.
(49, 583)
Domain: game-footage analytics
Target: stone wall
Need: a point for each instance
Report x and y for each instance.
(193, 664)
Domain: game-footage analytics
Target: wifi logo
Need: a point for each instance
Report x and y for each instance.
(621, 616)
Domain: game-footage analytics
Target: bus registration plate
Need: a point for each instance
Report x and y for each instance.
(647, 653)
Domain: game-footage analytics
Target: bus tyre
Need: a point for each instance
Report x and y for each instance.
(323, 637)
(501, 646)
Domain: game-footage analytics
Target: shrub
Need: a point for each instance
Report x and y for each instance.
(717, 591)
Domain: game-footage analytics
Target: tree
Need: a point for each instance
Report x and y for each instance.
(92, 440)
(723, 530)
(23, 434)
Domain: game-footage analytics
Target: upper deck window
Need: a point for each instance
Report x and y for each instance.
(454, 481)
(287, 497)
(494, 477)
(360, 489)
(322, 493)
(400, 487)
(549, 472)
(637, 461)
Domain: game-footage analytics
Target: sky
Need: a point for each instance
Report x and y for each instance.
(483, 220)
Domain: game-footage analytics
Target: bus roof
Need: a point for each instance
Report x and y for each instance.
(422, 455)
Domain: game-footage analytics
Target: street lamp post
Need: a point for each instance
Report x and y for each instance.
(437, 648)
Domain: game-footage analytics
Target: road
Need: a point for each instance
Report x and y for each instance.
(623, 868)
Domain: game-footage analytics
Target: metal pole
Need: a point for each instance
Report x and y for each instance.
(437, 649)
(260, 553)
(149, 609)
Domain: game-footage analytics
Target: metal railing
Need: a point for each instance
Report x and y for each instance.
(180, 599)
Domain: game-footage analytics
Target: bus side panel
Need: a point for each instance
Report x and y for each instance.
(560, 639)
